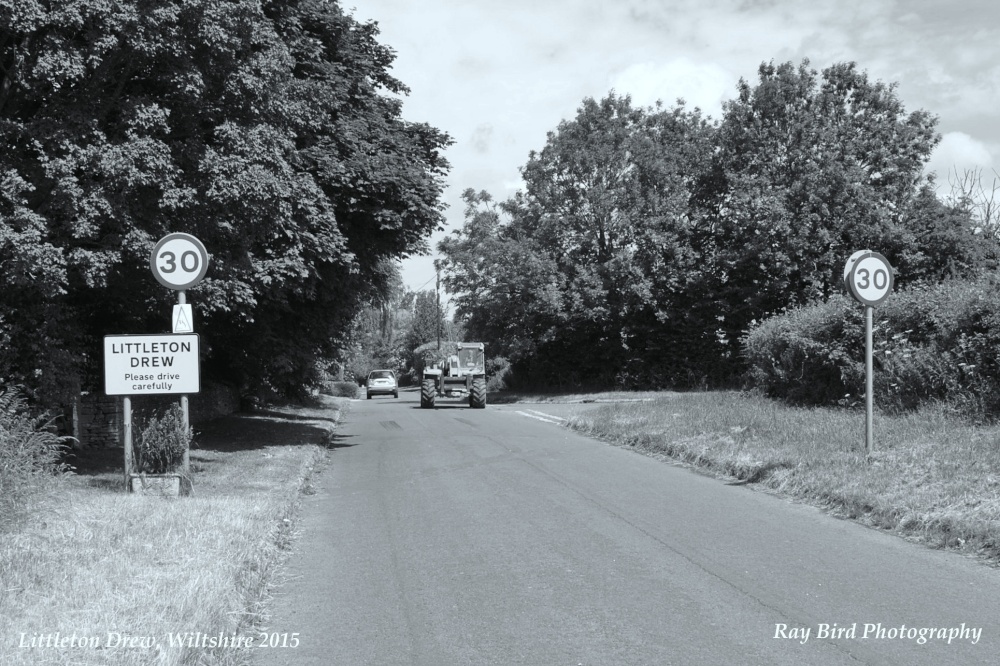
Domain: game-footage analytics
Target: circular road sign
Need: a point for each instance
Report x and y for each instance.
(179, 261)
(868, 277)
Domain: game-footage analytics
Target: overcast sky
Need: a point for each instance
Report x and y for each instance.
(496, 75)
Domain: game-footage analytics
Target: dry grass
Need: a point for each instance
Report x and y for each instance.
(505, 397)
(932, 476)
(98, 561)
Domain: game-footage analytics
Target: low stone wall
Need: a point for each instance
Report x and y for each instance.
(99, 417)
(99, 420)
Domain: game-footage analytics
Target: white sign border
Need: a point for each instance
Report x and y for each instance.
(104, 372)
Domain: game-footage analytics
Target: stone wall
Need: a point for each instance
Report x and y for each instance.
(99, 417)
(99, 421)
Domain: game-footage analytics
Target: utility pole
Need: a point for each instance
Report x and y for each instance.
(438, 292)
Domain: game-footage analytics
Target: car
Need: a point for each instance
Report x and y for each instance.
(381, 382)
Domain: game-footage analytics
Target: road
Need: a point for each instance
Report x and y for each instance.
(496, 536)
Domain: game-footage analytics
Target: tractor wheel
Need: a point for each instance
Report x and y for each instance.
(428, 390)
(477, 398)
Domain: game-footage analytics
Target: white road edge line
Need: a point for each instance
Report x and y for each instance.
(548, 416)
(540, 418)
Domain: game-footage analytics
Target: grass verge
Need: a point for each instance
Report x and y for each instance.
(124, 579)
(583, 397)
(932, 477)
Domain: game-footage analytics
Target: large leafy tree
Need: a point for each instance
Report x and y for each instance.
(592, 255)
(378, 338)
(270, 130)
(507, 287)
(648, 240)
(810, 167)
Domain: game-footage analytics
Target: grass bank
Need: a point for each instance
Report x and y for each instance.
(932, 476)
(123, 579)
(582, 397)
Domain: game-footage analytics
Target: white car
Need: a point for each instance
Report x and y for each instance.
(381, 382)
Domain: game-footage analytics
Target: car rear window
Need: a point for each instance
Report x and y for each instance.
(380, 374)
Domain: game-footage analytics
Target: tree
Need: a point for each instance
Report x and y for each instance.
(647, 241)
(272, 131)
(591, 255)
(379, 336)
(506, 288)
(427, 320)
(949, 241)
(969, 193)
(809, 168)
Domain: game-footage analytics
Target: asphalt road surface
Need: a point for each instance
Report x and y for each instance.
(496, 536)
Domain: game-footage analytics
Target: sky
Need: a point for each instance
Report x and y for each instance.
(496, 75)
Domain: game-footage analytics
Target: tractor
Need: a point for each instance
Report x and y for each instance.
(460, 373)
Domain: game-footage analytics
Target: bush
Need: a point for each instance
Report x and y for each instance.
(808, 355)
(931, 343)
(342, 389)
(29, 455)
(497, 372)
(161, 441)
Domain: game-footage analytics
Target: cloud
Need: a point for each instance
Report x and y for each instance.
(481, 138)
(959, 152)
(703, 85)
(497, 75)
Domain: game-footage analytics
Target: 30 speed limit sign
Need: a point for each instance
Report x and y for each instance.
(868, 277)
(179, 261)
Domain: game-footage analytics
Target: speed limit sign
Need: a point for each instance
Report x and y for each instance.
(179, 261)
(868, 277)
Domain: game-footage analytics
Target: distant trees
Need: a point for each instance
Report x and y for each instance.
(427, 320)
(272, 131)
(648, 240)
(390, 326)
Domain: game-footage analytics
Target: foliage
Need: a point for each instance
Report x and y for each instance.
(161, 441)
(931, 343)
(427, 322)
(497, 373)
(270, 130)
(593, 254)
(378, 336)
(647, 241)
(342, 389)
(813, 166)
(29, 455)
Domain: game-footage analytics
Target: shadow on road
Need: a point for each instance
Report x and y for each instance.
(457, 405)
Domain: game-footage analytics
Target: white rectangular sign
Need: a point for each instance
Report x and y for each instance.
(151, 364)
(183, 319)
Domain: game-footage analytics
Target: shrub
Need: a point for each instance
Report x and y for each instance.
(29, 455)
(931, 343)
(342, 389)
(497, 372)
(161, 441)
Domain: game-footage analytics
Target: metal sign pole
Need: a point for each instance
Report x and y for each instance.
(869, 383)
(185, 418)
(868, 278)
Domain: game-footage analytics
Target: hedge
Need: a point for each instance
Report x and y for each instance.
(931, 343)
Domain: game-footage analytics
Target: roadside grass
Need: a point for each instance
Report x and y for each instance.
(537, 397)
(932, 477)
(97, 562)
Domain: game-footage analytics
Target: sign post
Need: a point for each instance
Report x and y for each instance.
(127, 437)
(149, 365)
(868, 278)
(179, 261)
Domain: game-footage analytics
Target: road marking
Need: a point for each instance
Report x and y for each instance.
(390, 425)
(542, 416)
(546, 415)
